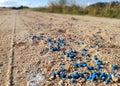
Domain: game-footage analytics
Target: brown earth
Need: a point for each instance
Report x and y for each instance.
(20, 56)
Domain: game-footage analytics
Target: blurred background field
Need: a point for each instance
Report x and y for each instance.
(104, 9)
(100, 8)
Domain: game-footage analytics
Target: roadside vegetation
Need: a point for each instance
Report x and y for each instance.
(110, 9)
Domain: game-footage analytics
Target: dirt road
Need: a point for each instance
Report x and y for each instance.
(20, 57)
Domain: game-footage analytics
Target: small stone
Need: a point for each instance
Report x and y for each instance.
(82, 80)
(114, 78)
(57, 76)
(61, 83)
(51, 77)
(106, 62)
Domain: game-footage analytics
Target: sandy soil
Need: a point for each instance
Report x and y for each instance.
(24, 61)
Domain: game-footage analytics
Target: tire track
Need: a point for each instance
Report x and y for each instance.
(11, 60)
(5, 47)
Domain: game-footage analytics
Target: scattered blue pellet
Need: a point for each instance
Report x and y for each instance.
(62, 69)
(70, 50)
(84, 72)
(114, 67)
(49, 40)
(98, 67)
(58, 46)
(81, 75)
(90, 67)
(64, 44)
(73, 76)
(55, 45)
(102, 74)
(59, 40)
(95, 57)
(99, 62)
(87, 55)
(76, 74)
(109, 76)
(114, 73)
(107, 81)
(84, 64)
(98, 73)
(83, 49)
(75, 64)
(62, 75)
(63, 52)
(87, 77)
(40, 37)
(81, 55)
(102, 78)
(79, 65)
(71, 53)
(94, 75)
(62, 64)
(77, 43)
(97, 50)
(33, 37)
(57, 72)
(68, 76)
(72, 80)
(89, 46)
(51, 47)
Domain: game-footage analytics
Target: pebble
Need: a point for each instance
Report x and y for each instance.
(82, 80)
(61, 83)
(51, 78)
(115, 78)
